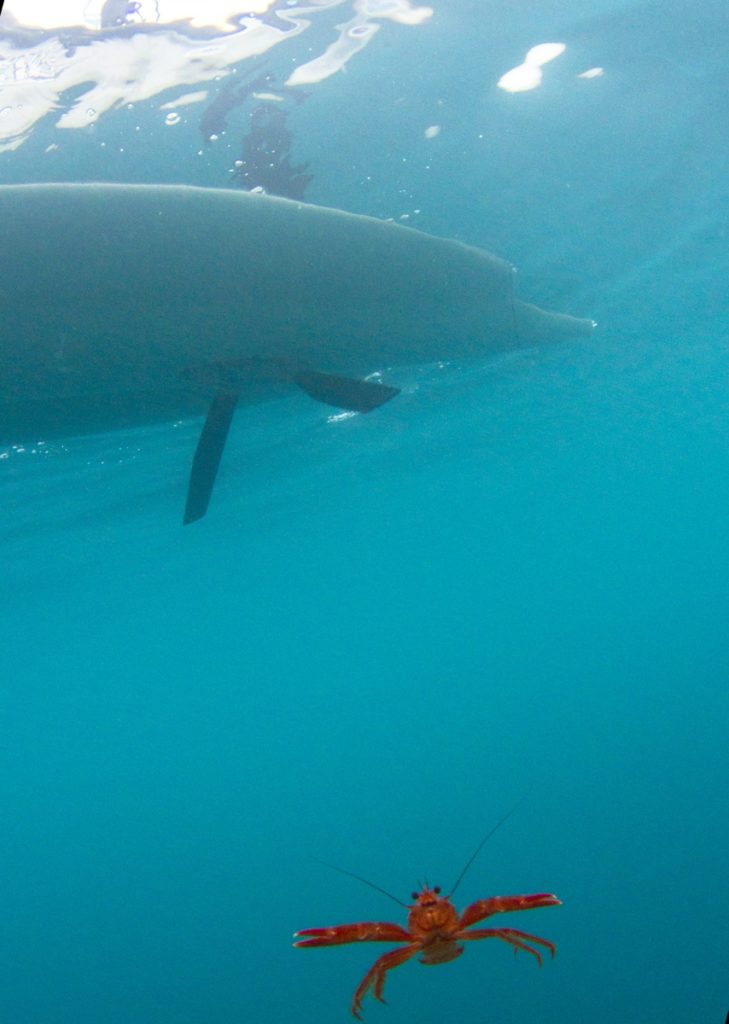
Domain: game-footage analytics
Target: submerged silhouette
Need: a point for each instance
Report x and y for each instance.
(182, 301)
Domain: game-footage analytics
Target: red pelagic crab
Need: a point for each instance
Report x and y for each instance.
(435, 930)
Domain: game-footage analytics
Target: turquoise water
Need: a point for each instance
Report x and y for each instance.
(509, 582)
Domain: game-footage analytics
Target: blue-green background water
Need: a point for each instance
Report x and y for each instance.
(512, 580)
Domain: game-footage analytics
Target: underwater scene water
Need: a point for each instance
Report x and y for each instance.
(504, 592)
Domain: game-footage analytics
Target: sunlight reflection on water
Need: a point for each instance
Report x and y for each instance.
(118, 53)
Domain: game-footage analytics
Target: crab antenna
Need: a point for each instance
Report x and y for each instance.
(343, 871)
(483, 842)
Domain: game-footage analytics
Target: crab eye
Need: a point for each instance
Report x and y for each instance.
(436, 889)
(414, 895)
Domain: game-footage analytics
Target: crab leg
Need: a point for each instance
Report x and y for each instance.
(514, 937)
(505, 904)
(363, 931)
(375, 977)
